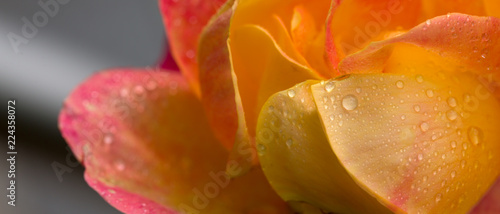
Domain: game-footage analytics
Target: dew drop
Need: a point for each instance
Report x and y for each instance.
(438, 197)
(416, 108)
(403, 117)
(453, 174)
(139, 90)
(430, 93)
(462, 163)
(350, 102)
(120, 166)
(291, 93)
(108, 139)
(358, 90)
(453, 144)
(419, 78)
(261, 148)
(452, 102)
(332, 117)
(329, 86)
(451, 115)
(420, 157)
(289, 143)
(400, 84)
(475, 135)
(424, 127)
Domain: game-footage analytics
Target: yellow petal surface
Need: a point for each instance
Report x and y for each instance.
(298, 161)
(415, 141)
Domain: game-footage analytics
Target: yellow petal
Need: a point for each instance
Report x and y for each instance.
(298, 160)
(414, 140)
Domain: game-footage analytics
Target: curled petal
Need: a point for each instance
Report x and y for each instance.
(298, 161)
(215, 77)
(263, 69)
(184, 20)
(146, 133)
(451, 44)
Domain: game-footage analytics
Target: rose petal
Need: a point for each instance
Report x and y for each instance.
(413, 140)
(432, 8)
(492, 8)
(298, 161)
(489, 203)
(368, 21)
(126, 201)
(215, 77)
(145, 133)
(263, 68)
(309, 39)
(184, 21)
(457, 43)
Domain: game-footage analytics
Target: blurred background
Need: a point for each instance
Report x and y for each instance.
(79, 38)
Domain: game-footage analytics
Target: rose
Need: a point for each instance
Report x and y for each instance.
(355, 143)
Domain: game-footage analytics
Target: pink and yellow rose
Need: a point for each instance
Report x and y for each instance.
(342, 106)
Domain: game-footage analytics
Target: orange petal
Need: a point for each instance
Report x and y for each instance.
(412, 140)
(450, 44)
(298, 160)
(282, 19)
(368, 20)
(262, 68)
(432, 8)
(184, 21)
(215, 77)
(492, 8)
(146, 134)
(309, 39)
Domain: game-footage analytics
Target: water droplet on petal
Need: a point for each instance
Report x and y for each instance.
(261, 149)
(329, 86)
(289, 143)
(419, 78)
(291, 93)
(438, 197)
(400, 84)
(108, 139)
(430, 93)
(120, 166)
(350, 102)
(416, 108)
(420, 157)
(452, 102)
(451, 115)
(424, 127)
(475, 135)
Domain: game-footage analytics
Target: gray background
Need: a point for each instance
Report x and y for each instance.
(85, 36)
